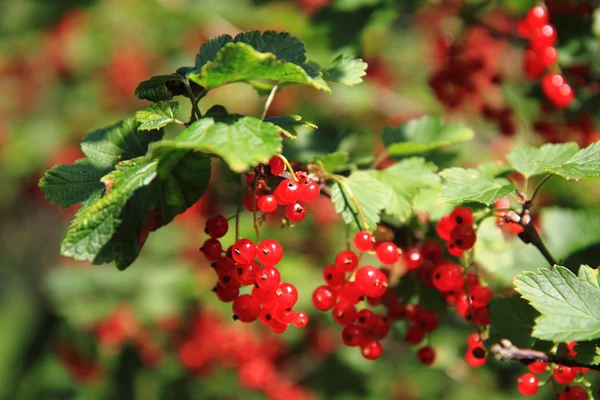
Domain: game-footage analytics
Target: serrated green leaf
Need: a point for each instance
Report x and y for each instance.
(468, 185)
(512, 318)
(158, 115)
(493, 169)
(283, 45)
(422, 135)
(584, 164)
(347, 70)
(68, 184)
(334, 162)
(209, 49)
(157, 87)
(588, 352)
(569, 304)
(526, 159)
(95, 224)
(289, 123)
(241, 141)
(405, 179)
(240, 62)
(122, 141)
(370, 194)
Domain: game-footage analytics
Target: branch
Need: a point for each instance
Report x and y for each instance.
(506, 351)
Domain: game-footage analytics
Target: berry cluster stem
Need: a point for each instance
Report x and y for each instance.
(268, 102)
(254, 213)
(289, 167)
(196, 114)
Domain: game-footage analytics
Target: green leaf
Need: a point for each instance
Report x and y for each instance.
(405, 179)
(334, 162)
(158, 88)
(493, 169)
(512, 318)
(366, 190)
(209, 49)
(283, 45)
(347, 70)
(568, 231)
(241, 141)
(68, 184)
(526, 159)
(96, 222)
(107, 146)
(569, 304)
(289, 123)
(422, 135)
(240, 62)
(157, 116)
(584, 164)
(469, 185)
(588, 352)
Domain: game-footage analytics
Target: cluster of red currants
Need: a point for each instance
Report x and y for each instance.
(347, 285)
(542, 55)
(528, 383)
(457, 230)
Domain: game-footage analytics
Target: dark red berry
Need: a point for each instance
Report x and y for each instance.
(216, 226)
(352, 335)
(370, 349)
(363, 318)
(447, 277)
(538, 367)
(412, 258)
(246, 308)
(333, 276)
(344, 313)
(426, 355)
(463, 237)
(461, 216)
(226, 294)
(573, 393)
(211, 249)
(246, 273)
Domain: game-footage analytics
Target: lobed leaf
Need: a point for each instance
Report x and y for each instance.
(527, 159)
(583, 164)
(468, 185)
(283, 45)
(347, 70)
(289, 123)
(157, 116)
(569, 304)
(157, 87)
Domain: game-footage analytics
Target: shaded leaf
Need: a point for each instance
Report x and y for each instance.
(336, 161)
(289, 123)
(283, 45)
(526, 159)
(512, 318)
(468, 185)
(157, 116)
(209, 49)
(347, 70)
(157, 87)
(588, 352)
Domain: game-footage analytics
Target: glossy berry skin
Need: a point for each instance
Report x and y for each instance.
(461, 216)
(276, 165)
(543, 37)
(379, 326)
(268, 278)
(249, 202)
(226, 294)
(387, 253)
(363, 241)
(333, 276)
(246, 308)
(444, 227)
(300, 319)
(346, 261)
(573, 393)
(287, 191)
(463, 237)
(472, 359)
(453, 250)
(269, 252)
(266, 316)
(350, 293)
(537, 16)
(447, 277)
(265, 298)
(324, 298)
(246, 273)
(371, 281)
(243, 251)
(287, 295)
(266, 203)
(481, 296)
(412, 258)
(564, 375)
(283, 315)
(344, 313)
(557, 90)
(364, 318)
(216, 226)
(310, 192)
(528, 384)
(538, 367)
(352, 335)
(211, 249)
(426, 355)
(295, 212)
(370, 349)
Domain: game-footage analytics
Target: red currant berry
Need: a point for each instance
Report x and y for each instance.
(363, 318)
(537, 16)
(266, 316)
(475, 357)
(300, 319)
(573, 393)
(453, 250)
(344, 313)
(370, 349)
(284, 315)
(216, 226)
(226, 294)
(287, 191)
(269, 252)
(277, 327)
(249, 202)
(363, 241)
(447, 277)
(414, 334)
(543, 37)
(528, 384)
(481, 316)
(268, 278)
(276, 165)
(481, 296)
(287, 295)
(379, 326)
(371, 281)
(324, 298)
(432, 251)
(564, 375)
(387, 253)
(444, 227)
(334, 277)
(295, 212)
(310, 192)
(266, 203)
(463, 237)
(413, 258)
(426, 355)
(352, 335)
(346, 261)
(557, 90)
(265, 298)
(246, 273)
(474, 340)
(461, 216)
(246, 308)
(547, 56)
(350, 293)
(243, 251)
(538, 367)
(211, 249)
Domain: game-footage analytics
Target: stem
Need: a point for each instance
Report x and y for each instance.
(196, 114)
(537, 189)
(339, 180)
(268, 102)
(237, 220)
(536, 240)
(254, 213)
(382, 156)
(289, 167)
(506, 351)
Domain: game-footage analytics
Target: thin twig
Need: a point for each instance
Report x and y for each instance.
(529, 203)
(535, 239)
(268, 102)
(254, 213)
(506, 351)
(196, 114)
